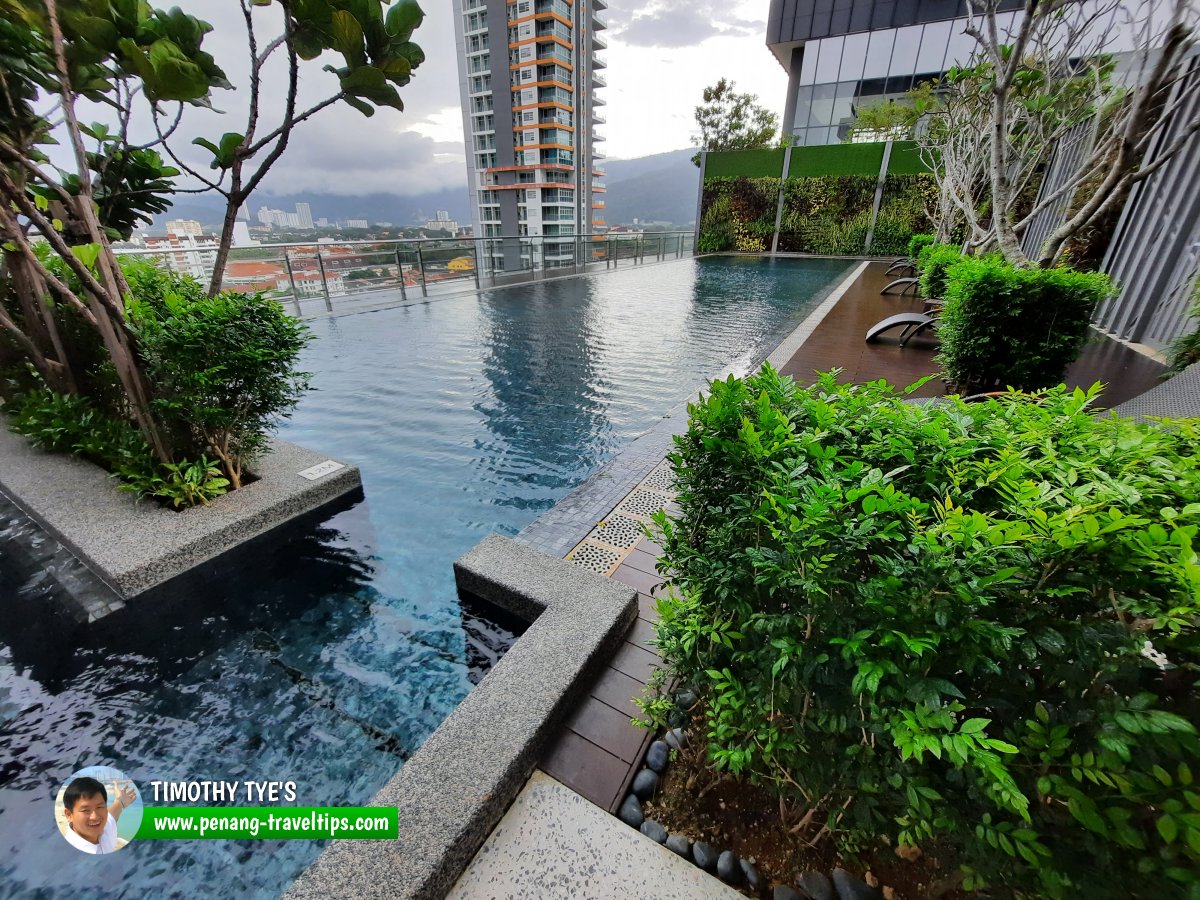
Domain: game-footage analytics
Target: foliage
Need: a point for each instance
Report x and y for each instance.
(68, 423)
(827, 216)
(966, 627)
(889, 118)
(223, 368)
(932, 262)
(917, 243)
(1185, 349)
(1007, 326)
(731, 121)
(997, 123)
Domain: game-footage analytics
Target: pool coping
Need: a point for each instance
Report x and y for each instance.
(133, 547)
(458, 785)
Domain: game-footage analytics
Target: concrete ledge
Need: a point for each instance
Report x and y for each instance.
(455, 789)
(134, 546)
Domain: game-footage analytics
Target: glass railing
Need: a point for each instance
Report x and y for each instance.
(554, 6)
(317, 279)
(556, 30)
(599, 79)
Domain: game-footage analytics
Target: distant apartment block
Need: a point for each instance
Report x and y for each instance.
(185, 226)
(843, 54)
(529, 72)
(357, 223)
(279, 218)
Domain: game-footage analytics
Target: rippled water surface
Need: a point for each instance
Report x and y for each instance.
(328, 658)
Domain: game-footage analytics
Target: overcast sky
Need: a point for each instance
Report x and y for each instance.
(661, 54)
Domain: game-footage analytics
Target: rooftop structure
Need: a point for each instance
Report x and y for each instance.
(529, 70)
(863, 51)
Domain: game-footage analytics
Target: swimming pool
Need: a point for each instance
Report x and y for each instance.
(332, 659)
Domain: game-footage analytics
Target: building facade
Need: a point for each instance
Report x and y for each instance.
(843, 54)
(529, 72)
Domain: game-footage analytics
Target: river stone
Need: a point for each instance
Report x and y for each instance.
(704, 856)
(680, 844)
(752, 876)
(685, 700)
(654, 831)
(631, 812)
(850, 887)
(676, 739)
(783, 892)
(657, 757)
(816, 886)
(677, 718)
(728, 869)
(645, 783)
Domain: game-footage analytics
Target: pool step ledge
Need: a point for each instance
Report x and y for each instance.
(134, 546)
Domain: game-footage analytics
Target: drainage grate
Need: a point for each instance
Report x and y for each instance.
(617, 531)
(594, 558)
(661, 479)
(643, 503)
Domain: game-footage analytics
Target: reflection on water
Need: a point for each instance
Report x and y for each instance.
(327, 658)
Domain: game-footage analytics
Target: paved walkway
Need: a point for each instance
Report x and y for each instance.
(554, 845)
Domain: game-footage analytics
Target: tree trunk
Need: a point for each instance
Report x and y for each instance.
(48, 351)
(232, 206)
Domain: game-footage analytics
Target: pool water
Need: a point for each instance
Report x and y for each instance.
(330, 658)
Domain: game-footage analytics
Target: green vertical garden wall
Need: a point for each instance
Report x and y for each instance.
(829, 197)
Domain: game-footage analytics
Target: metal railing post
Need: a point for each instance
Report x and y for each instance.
(287, 262)
(400, 270)
(421, 270)
(324, 283)
(475, 251)
(679, 245)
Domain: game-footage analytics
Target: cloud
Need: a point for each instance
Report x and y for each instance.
(673, 23)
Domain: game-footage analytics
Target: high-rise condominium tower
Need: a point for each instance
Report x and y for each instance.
(529, 73)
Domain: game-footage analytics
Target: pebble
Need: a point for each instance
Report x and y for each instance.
(631, 812)
(654, 831)
(680, 844)
(704, 856)
(685, 699)
(850, 887)
(783, 892)
(676, 739)
(728, 869)
(645, 783)
(816, 886)
(657, 757)
(752, 876)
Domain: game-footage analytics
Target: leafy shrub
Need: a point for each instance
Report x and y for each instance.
(966, 627)
(223, 368)
(932, 261)
(1185, 349)
(1002, 325)
(716, 227)
(68, 423)
(917, 243)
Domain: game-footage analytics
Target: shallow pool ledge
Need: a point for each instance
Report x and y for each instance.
(455, 789)
(135, 546)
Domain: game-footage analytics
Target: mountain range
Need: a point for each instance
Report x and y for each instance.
(657, 188)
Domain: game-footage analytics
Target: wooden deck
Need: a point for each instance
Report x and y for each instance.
(598, 749)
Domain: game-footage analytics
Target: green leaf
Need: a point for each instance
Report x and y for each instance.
(974, 726)
(403, 18)
(348, 37)
(1168, 828)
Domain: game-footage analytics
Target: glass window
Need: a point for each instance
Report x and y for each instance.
(932, 55)
(803, 99)
(820, 112)
(843, 104)
(879, 53)
(808, 64)
(904, 53)
(830, 60)
(854, 56)
(960, 48)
